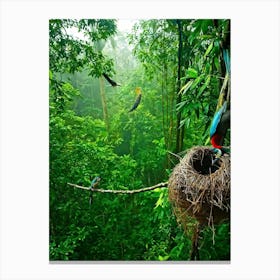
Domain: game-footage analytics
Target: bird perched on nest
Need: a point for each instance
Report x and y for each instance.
(138, 99)
(221, 120)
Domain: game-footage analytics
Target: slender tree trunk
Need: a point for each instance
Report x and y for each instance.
(163, 88)
(172, 120)
(180, 130)
(104, 103)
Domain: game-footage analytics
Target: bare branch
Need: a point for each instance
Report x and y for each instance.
(160, 185)
(175, 155)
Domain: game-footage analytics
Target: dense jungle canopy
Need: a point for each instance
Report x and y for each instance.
(177, 66)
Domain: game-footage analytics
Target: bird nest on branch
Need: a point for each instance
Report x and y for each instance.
(200, 190)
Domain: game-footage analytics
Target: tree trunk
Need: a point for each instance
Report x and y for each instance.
(104, 103)
(179, 130)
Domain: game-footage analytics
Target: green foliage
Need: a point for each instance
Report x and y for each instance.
(69, 54)
(132, 151)
(216, 245)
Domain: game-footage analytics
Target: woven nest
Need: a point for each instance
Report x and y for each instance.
(199, 189)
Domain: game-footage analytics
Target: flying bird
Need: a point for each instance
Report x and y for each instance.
(138, 99)
(110, 81)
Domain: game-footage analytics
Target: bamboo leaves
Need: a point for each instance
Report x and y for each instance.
(199, 84)
(191, 73)
(204, 86)
(209, 49)
(202, 80)
(185, 88)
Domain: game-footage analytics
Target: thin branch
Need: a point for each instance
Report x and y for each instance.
(160, 185)
(175, 155)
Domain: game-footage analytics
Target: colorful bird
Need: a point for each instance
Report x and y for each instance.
(226, 59)
(220, 125)
(94, 183)
(218, 130)
(221, 120)
(138, 99)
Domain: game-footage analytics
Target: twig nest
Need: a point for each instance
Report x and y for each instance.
(199, 189)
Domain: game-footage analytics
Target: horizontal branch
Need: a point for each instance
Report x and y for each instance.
(160, 185)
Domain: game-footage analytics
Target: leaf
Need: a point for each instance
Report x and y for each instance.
(181, 105)
(161, 258)
(185, 88)
(122, 187)
(182, 122)
(160, 200)
(208, 68)
(191, 73)
(217, 63)
(209, 49)
(185, 122)
(206, 108)
(188, 122)
(201, 90)
(197, 81)
(205, 37)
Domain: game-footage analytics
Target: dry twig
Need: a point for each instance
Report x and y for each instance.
(160, 185)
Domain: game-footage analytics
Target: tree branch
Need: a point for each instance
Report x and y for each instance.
(160, 185)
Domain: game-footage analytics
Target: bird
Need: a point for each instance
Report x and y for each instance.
(221, 120)
(219, 126)
(138, 99)
(94, 183)
(218, 129)
(218, 153)
(110, 81)
(226, 59)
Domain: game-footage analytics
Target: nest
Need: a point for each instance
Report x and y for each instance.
(199, 189)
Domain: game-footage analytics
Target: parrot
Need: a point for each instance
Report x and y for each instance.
(94, 183)
(226, 59)
(110, 81)
(220, 125)
(221, 120)
(138, 99)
